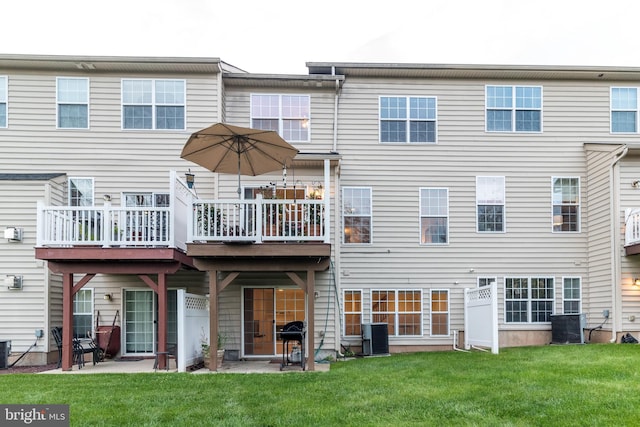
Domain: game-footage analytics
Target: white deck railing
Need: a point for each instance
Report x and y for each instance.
(211, 221)
(259, 220)
(632, 227)
(105, 226)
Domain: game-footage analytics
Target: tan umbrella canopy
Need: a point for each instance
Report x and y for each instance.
(233, 149)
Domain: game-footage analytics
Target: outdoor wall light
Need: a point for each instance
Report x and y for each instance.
(636, 184)
(636, 283)
(107, 297)
(107, 197)
(190, 178)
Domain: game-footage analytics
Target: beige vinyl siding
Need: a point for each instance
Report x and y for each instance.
(22, 311)
(395, 172)
(104, 151)
(597, 289)
(630, 265)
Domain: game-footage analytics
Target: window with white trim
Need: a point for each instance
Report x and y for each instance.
(3, 102)
(407, 119)
(401, 310)
(80, 191)
(72, 98)
(153, 104)
(490, 200)
(624, 110)
(528, 299)
(356, 214)
(486, 281)
(571, 295)
(352, 312)
(286, 114)
(566, 204)
(83, 313)
(434, 215)
(439, 312)
(514, 108)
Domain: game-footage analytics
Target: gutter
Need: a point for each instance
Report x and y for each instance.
(615, 238)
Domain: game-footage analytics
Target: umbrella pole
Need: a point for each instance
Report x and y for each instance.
(239, 191)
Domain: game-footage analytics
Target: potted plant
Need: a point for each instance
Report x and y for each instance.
(206, 349)
(222, 341)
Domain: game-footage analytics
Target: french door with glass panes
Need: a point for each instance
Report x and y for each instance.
(265, 312)
(140, 321)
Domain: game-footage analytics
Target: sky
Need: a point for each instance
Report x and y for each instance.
(281, 36)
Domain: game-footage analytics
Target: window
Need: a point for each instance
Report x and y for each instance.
(571, 295)
(624, 110)
(566, 204)
(286, 114)
(400, 310)
(434, 215)
(73, 103)
(407, 119)
(80, 191)
(83, 313)
(356, 212)
(486, 281)
(3, 101)
(352, 312)
(528, 300)
(153, 104)
(514, 108)
(439, 312)
(490, 203)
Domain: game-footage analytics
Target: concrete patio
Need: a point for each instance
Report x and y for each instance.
(118, 366)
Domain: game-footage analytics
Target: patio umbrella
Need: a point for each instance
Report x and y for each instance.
(226, 148)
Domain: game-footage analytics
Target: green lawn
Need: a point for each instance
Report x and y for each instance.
(572, 385)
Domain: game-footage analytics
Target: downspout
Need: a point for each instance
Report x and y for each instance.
(615, 238)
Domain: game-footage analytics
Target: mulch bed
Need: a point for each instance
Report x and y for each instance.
(28, 369)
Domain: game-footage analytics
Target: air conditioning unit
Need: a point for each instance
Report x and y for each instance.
(568, 328)
(13, 282)
(5, 351)
(375, 339)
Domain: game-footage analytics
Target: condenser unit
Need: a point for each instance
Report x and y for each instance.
(568, 328)
(375, 339)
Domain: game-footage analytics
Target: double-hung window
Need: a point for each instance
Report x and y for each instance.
(566, 204)
(490, 201)
(80, 191)
(407, 119)
(624, 110)
(434, 215)
(400, 309)
(3, 101)
(352, 312)
(571, 295)
(83, 313)
(486, 281)
(439, 312)
(72, 99)
(153, 104)
(528, 299)
(514, 108)
(356, 214)
(286, 114)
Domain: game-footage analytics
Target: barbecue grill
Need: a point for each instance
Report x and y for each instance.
(292, 332)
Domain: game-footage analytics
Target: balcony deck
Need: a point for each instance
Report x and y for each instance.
(263, 228)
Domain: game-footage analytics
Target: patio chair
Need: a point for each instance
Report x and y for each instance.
(80, 348)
